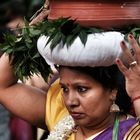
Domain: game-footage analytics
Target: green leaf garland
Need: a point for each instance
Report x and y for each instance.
(27, 61)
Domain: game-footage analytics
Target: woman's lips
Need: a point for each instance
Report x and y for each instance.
(76, 115)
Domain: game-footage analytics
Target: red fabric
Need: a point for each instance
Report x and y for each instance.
(21, 130)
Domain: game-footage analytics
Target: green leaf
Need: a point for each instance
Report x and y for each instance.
(56, 40)
(83, 36)
(70, 39)
(36, 56)
(34, 32)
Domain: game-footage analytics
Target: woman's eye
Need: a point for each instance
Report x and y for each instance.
(81, 89)
(65, 90)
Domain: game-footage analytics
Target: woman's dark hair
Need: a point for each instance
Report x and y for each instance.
(110, 78)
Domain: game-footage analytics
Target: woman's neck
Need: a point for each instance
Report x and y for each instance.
(85, 132)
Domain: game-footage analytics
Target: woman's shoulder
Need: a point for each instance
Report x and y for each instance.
(133, 133)
(129, 128)
(127, 122)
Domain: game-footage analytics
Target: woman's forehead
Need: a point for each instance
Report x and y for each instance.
(68, 74)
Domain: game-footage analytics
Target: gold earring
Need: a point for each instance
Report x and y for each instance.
(114, 107)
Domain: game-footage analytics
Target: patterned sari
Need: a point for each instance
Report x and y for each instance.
(128, 129)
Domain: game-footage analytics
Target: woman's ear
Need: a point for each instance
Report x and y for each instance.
(113, 94)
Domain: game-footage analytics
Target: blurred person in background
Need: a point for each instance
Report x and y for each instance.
(12, 13)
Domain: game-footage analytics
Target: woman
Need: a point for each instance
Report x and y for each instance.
(83, 110)
(89, 92)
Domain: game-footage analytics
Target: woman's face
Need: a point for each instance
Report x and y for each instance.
(86, 100)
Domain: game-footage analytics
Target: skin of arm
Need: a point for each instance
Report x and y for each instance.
(24, 101)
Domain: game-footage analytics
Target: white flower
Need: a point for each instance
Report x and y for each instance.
(63, 129)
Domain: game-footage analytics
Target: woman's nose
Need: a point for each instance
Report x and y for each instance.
(72, 100)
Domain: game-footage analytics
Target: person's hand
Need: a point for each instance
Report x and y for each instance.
(132, 72)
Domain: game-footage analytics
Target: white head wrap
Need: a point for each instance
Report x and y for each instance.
(101, 49)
